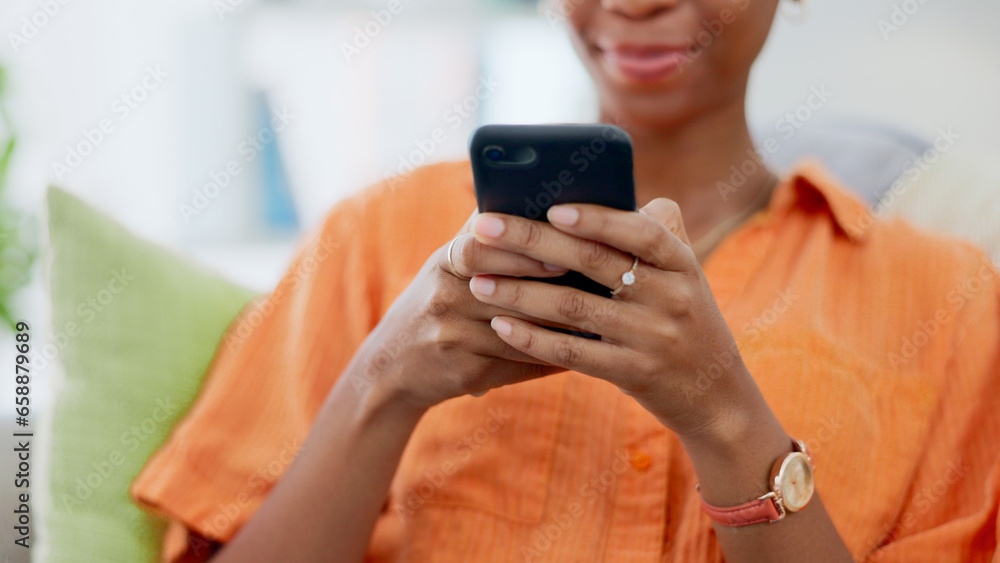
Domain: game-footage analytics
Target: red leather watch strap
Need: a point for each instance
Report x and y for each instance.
(753, 512)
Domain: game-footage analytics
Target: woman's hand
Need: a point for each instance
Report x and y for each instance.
(435, 342)
(659, 334)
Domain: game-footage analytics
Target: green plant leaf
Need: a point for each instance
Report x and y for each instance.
(5, 162)
(5, 315)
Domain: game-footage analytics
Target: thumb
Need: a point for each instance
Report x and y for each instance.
(668, 213)
(467, 227)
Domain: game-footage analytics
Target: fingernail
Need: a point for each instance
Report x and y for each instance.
(563, 215)
(489, 226)
(502, 327)
(552, 267)
(482, 286)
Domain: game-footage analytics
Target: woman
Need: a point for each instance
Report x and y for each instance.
(438, 422)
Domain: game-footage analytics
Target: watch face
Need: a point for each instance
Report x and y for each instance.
(796, 482)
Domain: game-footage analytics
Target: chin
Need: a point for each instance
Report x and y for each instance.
(668, 107)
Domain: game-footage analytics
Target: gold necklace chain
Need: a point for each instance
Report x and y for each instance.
(707, 242)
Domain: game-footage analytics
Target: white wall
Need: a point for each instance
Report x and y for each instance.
(942, 68)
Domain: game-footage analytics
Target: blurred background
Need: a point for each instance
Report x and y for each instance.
(223, 129)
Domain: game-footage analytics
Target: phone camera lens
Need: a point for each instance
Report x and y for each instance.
(494, 153)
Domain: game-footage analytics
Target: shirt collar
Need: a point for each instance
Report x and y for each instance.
(811, 188)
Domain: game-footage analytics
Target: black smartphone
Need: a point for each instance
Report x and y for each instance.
(525, 169)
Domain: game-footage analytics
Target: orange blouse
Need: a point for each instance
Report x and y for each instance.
(875, 343)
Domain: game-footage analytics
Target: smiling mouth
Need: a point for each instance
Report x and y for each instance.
(648, 63)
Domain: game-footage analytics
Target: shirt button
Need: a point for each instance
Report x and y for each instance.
(640, 460)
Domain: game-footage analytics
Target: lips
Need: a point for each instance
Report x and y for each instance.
(644, 63)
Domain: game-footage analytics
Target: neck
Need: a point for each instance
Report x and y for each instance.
(695, 164)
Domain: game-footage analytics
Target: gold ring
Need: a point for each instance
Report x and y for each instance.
(628, 278)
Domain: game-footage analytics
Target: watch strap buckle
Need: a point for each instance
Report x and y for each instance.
(776, 499)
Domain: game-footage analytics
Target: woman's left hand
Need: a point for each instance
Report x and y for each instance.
(659, 335)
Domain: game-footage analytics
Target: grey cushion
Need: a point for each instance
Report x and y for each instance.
(866, 156)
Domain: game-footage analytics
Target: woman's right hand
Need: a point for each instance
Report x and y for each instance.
(435, 341)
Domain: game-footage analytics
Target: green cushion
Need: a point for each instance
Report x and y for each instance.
(146, 326)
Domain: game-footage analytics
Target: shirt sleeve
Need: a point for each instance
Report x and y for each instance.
(951, 510)
(268, 379)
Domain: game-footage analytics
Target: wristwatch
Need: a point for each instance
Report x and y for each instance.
(791, 486)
